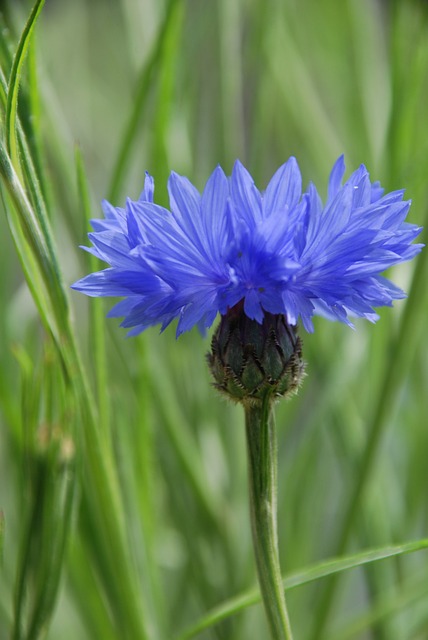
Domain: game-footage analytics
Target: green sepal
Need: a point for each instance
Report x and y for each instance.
(249, 359)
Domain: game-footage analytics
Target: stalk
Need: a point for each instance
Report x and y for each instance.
(262, 473)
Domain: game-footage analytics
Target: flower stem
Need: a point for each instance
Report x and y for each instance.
(262, 471)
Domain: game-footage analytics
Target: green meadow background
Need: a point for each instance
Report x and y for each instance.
(123, 486)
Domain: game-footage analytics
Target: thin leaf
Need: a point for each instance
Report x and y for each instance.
(15, 75)
(316, 572)
(97, 309)
(144, 85)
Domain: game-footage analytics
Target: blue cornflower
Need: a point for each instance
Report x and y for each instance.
(275, 252)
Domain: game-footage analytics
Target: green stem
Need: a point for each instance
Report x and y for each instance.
(262, 472)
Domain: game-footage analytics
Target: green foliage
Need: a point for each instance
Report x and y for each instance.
(123, 487)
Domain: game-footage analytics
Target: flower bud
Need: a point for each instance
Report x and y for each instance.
(249, 359)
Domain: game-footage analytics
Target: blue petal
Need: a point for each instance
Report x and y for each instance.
(336, 177)
(246, 197)
(216, 219)
(101, 283)
(123, 307)
(112, 247)
(112, 213)
(186, 206)
(149, 188)
(252, 306)
(192, 313)
(284, 190)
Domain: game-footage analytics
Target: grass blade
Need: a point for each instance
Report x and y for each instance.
(144, 85)
(15, 75)
(316, 572)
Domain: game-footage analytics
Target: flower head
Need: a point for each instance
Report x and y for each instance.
(277, 251)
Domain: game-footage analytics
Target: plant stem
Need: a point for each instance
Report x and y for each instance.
(262, 472)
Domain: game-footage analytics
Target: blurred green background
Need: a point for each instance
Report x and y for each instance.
(142, 509)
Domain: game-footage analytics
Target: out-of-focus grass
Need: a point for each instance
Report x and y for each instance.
(186, 85)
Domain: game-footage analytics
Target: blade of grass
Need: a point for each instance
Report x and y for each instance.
(97, 312)
(300, 94)
(184, 446)
(385, 609)
(40, 225)
(101, 494)
(33, 227)
(49, 580)
(1, 537)
(231, 78)
(316, 572)
(29, 237)
(372, 81)
(46, 522)
(166, 79)
(32, 126)
(15, 75)
(144, 85)
(400, 357)
(145, 480)
(87, 597)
